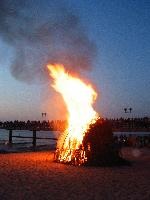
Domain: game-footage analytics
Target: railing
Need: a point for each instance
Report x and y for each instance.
(33, 137)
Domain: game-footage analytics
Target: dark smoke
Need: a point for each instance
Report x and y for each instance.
(43, 34)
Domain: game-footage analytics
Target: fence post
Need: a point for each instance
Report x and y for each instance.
(10, 136)
(34, 138)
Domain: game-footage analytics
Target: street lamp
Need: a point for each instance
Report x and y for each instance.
(130, 122)
(44, 114)
(128, 110)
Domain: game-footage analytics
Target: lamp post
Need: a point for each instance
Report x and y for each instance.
(44, 114)
(129, 110)
(125, 110)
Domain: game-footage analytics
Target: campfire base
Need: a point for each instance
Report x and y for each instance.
(98, 148)
(110, 160)
(104, 150)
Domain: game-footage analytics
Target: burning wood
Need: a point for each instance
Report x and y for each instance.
(79, 98)
(87, 140)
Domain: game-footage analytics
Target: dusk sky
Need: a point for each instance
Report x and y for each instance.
(113, 36)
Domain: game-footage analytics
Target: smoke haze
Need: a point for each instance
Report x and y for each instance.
(42, 33)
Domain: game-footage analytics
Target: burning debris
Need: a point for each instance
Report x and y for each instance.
(98, 148)
(87, 140)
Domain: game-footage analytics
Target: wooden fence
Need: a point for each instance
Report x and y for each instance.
(33, 137)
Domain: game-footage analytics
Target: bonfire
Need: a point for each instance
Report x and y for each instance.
(74, 146)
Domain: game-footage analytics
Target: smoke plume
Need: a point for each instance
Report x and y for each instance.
(44, 32)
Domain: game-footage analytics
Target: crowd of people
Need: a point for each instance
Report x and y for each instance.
(132, 140)
(122, 124)
(54, 125)
(118, 125)
(134, 124)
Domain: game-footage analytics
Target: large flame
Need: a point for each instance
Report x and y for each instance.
(79, 98)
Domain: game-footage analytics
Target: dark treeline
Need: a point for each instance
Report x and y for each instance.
(121, 124)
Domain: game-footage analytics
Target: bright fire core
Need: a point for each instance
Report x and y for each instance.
(79, 98)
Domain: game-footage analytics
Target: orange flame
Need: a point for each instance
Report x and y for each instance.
(79, 98)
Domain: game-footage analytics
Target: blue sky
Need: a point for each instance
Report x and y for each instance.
(120, 71)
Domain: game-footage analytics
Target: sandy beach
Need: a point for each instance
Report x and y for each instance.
(34, 176)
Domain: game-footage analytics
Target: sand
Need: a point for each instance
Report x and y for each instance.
(34, 176)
